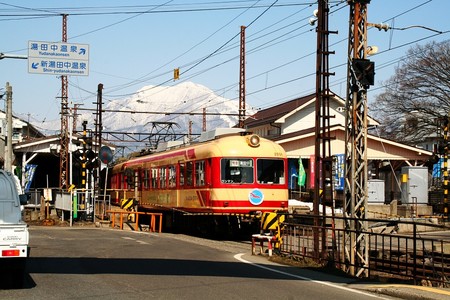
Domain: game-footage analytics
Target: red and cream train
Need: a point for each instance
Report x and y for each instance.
(228, 172)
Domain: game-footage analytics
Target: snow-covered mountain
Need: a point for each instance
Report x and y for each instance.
(187, 97)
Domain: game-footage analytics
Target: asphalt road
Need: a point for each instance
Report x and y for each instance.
(92, 263)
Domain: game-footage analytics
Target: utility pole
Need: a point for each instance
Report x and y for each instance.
(98, 119)
(204, 119)
(64, 139)
(323, 187)
(445, 185)
(360, 73)
(242, 80)
(9, 121)
(98, 144)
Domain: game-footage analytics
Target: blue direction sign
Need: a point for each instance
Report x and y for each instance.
(58, 58)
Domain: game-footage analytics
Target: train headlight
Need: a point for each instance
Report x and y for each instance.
(253, 140)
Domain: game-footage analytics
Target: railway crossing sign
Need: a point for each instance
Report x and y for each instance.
(105, 155)
(58, 58)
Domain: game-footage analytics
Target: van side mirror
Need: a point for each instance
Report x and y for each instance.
(24, 198)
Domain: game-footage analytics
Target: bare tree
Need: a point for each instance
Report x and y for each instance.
(417, 96)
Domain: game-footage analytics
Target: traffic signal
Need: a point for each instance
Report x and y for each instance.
(442, 147)
(364, 72)
(444, 123)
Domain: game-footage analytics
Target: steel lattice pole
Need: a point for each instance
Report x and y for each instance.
(64, 139)
(355, 242)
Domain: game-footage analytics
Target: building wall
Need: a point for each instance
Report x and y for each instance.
(18, 128)
(306, 118)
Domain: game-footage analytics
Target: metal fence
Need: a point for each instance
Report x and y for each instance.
(416, 249)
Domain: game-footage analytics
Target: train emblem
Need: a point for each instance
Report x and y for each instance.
(256, 197)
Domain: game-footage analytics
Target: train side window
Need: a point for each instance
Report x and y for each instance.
(172, 176)
(270, 171)
(146, 179)
(189, 173)
(163, 177)
(182, 170)
(200, 173)
(154, 178)
(129, 179)
(236, 170)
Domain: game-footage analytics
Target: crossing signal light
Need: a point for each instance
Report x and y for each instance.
(91, 159)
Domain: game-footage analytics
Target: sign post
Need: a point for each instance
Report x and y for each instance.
(58, 58)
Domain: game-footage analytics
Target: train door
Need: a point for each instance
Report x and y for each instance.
(180, 183)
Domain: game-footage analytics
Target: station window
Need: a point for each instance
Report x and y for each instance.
(236, 170)
(270, 171)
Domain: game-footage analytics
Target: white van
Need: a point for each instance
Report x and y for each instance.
(14, 236)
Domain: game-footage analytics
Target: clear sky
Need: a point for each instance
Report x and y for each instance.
(135, 43)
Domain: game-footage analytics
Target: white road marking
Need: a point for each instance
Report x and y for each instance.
(133, 239)
(239, 257)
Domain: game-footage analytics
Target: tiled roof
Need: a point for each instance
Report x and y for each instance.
(269, 115)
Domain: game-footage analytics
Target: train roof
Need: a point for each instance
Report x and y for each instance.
(226, 146)
(204, 137)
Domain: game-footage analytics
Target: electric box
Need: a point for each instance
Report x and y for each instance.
(414, 185)
(375, 191)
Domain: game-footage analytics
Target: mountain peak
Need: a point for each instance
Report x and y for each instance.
(151, 102)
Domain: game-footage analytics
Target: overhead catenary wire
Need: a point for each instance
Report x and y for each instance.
(300, 77)
(200, 72)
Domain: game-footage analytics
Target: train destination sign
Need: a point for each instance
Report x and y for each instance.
(58, 58)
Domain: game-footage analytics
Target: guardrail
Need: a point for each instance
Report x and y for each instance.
(416, 250)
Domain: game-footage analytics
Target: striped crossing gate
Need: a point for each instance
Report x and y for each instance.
(128, 204)
(272, 222)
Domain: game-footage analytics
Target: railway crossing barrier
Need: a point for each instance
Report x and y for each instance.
(152, 223)
(271, 223)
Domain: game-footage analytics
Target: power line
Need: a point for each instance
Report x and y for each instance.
(159, 112)
(301, 77)
(146, 10)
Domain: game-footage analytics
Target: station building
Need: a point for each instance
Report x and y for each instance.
(292, 125)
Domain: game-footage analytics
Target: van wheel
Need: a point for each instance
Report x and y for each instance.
(18, 274)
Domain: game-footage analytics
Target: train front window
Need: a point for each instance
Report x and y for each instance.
(270, 171)
(236, 170)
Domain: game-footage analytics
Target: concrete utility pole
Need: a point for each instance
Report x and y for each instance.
(9, 121)
(360, 75)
